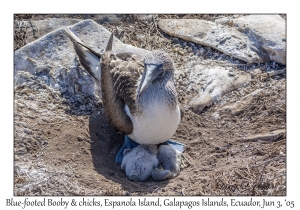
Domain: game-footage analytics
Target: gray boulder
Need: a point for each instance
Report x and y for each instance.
(38, 28)
(212, 82)
(52, 60)
(237, 107)
(268, 34)
(225, 39)
(251, 38)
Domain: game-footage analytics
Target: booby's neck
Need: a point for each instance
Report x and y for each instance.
(157, 113)
(161, 90)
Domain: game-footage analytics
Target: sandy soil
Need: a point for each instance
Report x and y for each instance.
(60, 150)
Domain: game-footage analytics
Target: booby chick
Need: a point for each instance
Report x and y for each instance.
(159, 161)
(139, 162)
(139, 96)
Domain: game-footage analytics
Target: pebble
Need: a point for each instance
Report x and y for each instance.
(63, 73)
(32, 97)
(44, 142)
(201, 51)
(76, 88)
(45, 119)
(71, 90)
(82, 107)
(80, 101)
(42, 170)
(231, 74)
(185, 83)
(192, 44)
(22, 151)
(20, 191)
(22, 144)
(181, 52)
(27, 130)
(125, 193)
(19, 185)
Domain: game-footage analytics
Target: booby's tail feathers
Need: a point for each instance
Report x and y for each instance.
(128, 144)
(109, 44)
(88, 58)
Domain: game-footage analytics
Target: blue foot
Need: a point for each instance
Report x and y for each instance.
(176, 145)
(130, 144)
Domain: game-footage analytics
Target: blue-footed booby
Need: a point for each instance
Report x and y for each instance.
(139, 96)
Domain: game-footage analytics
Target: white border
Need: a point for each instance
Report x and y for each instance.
(153, 6)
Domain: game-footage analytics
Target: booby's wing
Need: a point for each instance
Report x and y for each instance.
(88, 58)
(119, 80)
(125, 78)
(119, 76)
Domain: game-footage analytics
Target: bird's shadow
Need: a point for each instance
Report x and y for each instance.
(105, 143)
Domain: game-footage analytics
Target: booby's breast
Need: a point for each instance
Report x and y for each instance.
(156, 124)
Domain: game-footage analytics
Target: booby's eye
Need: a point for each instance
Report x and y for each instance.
(160, 67)
(159, 71)
(162, 74)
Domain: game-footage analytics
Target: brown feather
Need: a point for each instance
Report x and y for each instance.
(118, 85)
(109, 44)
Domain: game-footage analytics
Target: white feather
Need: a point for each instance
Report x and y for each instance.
(156, 125)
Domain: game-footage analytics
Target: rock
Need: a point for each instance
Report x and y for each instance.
(27, 131)
(268, 34)
(223, 21)
(268, 136)
(212, 82)
(21, 151)
(236, 107)
(38, 28)
(225, 39)
(52, 59)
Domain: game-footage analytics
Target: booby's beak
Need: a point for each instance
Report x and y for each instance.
(152, 72)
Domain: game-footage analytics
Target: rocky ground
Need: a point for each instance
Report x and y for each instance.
(236, 140)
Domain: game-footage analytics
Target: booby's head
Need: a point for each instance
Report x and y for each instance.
(157, 64)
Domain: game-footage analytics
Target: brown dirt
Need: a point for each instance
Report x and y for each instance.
(60, 150)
